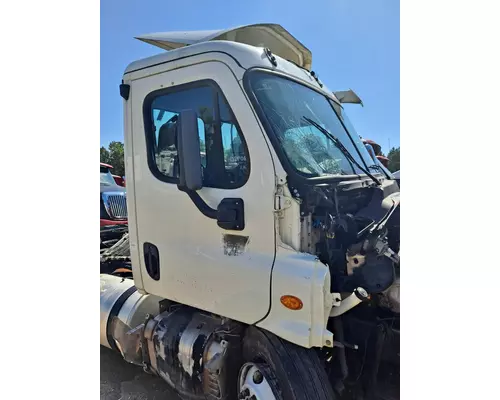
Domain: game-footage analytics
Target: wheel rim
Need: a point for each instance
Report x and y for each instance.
(253, 383)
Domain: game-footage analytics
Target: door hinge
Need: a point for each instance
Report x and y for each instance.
(282, 202)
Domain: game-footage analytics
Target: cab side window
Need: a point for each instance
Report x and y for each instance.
(236, 165)
(223, 150)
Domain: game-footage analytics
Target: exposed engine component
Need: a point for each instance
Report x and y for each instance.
(358, 296)
(357, 252)
(354, 261)
(376, 274)
(352, 229)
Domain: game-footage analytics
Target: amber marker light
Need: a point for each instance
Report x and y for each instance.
(291, 302)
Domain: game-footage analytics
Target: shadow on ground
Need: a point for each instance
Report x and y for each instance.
(123, 381)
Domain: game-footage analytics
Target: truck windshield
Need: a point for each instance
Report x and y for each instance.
(106, 177)
(287, 105)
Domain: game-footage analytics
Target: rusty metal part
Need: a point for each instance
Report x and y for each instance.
(149, 328)
(186, 345)
(214, 360)
(190, 350)
(186, 349)
(190, 353)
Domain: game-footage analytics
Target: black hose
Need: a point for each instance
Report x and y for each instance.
(338, 329)
(379, 346)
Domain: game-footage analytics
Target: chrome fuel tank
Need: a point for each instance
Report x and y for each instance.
(120, 299)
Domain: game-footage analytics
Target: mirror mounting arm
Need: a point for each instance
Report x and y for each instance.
(204, 208)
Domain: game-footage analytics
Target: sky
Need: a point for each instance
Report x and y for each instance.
(354, 43)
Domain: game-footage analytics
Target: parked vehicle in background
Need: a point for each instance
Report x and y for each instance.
(377, 149)
(120, 180)
(112, 198)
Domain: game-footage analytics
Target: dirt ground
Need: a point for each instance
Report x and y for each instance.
(123, 381)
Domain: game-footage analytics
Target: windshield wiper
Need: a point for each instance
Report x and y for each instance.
(341, 147)
(380, 169)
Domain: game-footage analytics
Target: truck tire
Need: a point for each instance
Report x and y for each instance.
(290, 371)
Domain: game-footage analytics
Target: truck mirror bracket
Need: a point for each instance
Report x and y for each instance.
(230, 213)
(204, 208)
(125, 91)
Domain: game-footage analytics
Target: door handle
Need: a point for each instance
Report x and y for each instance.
(231, 214)
(152, 260)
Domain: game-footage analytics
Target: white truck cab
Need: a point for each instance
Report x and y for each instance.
(241, 168)
(200, 263)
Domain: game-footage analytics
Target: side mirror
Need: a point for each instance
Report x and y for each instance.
(348, 96)
(188, 150)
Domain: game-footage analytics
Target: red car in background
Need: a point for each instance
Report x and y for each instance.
(113, 199)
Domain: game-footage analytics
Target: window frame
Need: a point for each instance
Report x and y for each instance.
(217, 95)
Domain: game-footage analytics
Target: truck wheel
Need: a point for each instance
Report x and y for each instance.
(274, 369)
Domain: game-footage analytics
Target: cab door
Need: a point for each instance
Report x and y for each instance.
(184, 254)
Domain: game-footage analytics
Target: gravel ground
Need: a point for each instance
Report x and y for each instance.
(123, 381)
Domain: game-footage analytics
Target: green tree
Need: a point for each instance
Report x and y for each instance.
(114, 155)
(393, 157)
(104, 155)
